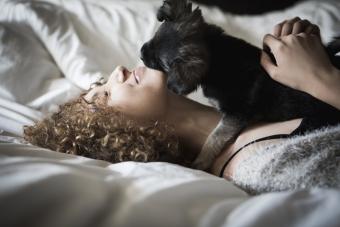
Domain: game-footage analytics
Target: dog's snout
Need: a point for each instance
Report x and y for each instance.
(147, 55)
(144, 50)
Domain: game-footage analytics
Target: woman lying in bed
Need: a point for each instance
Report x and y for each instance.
(134, 117)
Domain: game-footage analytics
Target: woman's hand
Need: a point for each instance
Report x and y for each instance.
(302, 63)
(298, 51)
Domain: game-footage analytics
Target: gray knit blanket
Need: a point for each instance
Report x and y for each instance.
(307, 161)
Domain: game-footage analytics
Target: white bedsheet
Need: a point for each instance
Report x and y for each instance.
(49, 52)
(41, 188)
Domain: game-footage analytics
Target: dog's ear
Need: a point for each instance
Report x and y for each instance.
(172, 10)
(192, 23)
(186, 74)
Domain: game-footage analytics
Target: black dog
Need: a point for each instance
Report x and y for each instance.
(192, 53)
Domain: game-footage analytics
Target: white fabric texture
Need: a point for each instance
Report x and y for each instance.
(44, 188)
(50, 51)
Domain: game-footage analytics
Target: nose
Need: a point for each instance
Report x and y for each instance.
(144, 51)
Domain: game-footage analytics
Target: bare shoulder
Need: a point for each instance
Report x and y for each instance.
(248, 135)
(260, 130)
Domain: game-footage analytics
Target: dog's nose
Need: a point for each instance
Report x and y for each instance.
(143, 51)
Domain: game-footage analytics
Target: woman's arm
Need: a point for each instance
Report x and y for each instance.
(302, 63)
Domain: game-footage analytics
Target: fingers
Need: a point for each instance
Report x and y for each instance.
(295, 26)
(313, 30)
(278, 28)
(304, 37)
(285, 27)
(301, 26)
(268, 64)
(271, 42)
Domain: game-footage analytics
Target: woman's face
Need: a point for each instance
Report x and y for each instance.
(140, 93)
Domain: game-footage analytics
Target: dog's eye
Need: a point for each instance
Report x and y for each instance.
(106, 93)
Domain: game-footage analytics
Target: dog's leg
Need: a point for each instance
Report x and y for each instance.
(224, 133)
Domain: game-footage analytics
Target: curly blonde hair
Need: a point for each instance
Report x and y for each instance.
(104, 133)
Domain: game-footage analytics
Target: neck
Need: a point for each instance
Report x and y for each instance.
(193, 122)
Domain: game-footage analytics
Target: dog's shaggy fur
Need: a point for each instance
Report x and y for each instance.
(194, 53)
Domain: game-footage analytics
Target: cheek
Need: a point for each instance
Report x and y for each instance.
(155, 104)
(150, 103)
(145, 103)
